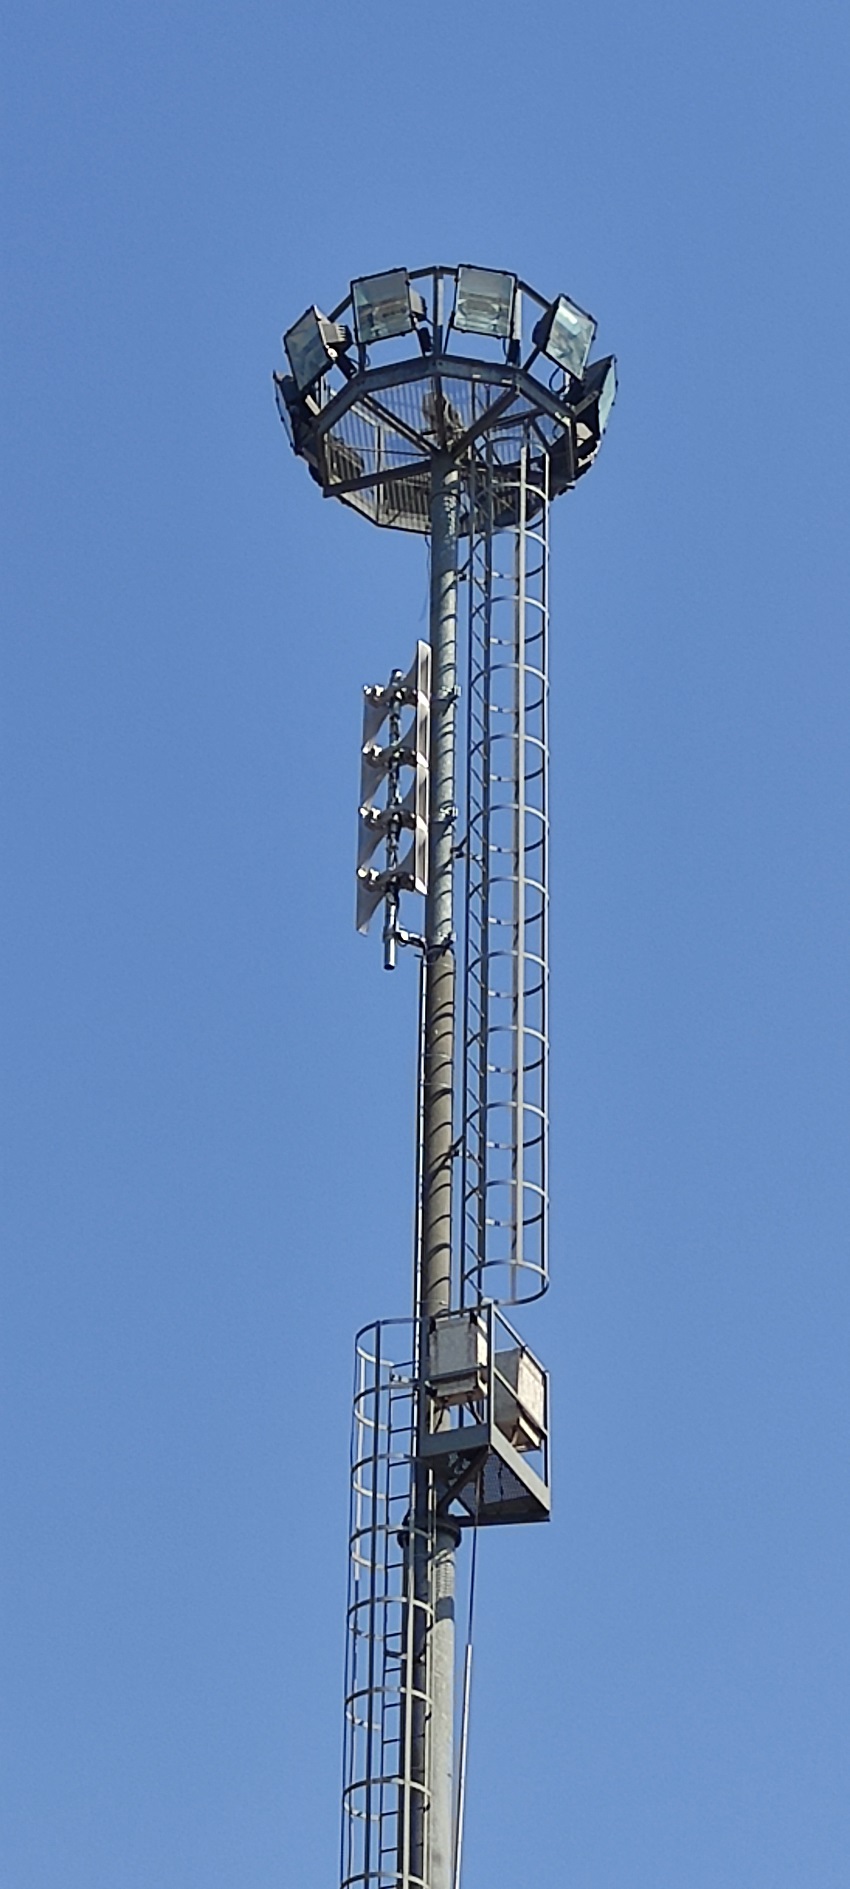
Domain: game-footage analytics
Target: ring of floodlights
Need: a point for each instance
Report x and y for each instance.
(466, 363)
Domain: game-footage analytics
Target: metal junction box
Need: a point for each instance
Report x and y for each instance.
(519, 1386)
(457, 1357)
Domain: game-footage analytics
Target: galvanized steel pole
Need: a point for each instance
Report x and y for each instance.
(438, 1146)
(438, 1098)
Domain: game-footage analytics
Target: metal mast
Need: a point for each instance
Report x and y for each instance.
(435, 1761)
(455, 403)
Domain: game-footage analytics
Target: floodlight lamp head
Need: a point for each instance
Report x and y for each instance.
(565, 335)
(298, 412)
(599, 389)
(484, 302)
(314, 344)
(286, 399)
(592, 409)
(385, 306)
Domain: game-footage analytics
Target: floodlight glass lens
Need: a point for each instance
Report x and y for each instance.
(308, 356)
(382, 306)
(283, 410)
(484, 302)
(571, 335)
(606, 397)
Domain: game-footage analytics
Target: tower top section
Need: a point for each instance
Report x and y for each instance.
(457, 363)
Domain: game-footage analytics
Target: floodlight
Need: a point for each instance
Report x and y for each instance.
(298, 412)
(599, 391)
(562, 462)
(592, 407)
(313, 345)
(385, 305)
(286, 396)
(566, 334)
(484, 302)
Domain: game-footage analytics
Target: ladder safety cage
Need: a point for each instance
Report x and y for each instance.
(386, 1617)
(505, 1043)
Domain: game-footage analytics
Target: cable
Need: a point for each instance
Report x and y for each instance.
(464, 1714)
(420, 1157)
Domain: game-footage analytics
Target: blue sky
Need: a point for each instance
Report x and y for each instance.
(208, 1076)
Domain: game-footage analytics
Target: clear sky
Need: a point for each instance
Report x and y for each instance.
(208, 1076)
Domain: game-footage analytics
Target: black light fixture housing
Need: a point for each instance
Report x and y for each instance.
(484, 302)
(313, 344)
(592, 407)
(385, 306)
(565, 335)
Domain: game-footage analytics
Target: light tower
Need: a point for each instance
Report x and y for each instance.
(456, 403)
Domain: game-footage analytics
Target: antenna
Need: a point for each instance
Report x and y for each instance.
(456, 403)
